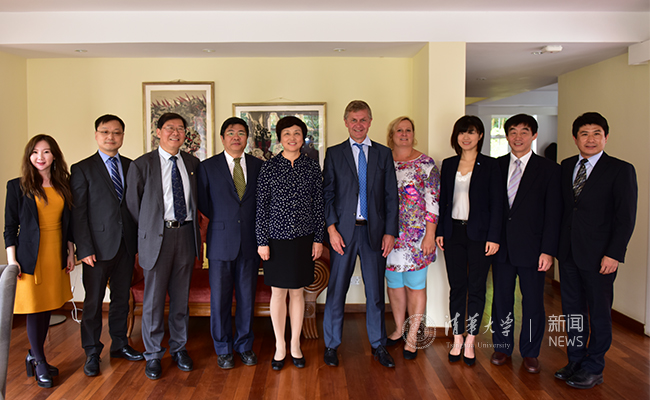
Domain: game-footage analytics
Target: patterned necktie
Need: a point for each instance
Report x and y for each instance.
(238, 177)
(514, 182)
(581, 178)
(115, 177)
(180, 208)
(363, 182)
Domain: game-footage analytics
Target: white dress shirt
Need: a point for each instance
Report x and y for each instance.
(355, 154)
(166, 176)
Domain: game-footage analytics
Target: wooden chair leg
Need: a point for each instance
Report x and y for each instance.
(130, 318)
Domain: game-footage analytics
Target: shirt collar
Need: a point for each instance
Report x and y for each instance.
(524, 159)
(593, 159)
(230, 159)
(166, 155)
(366, 142)
(105, 156)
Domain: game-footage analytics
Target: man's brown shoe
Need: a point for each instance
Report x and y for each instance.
(531, 364)
(499, 358)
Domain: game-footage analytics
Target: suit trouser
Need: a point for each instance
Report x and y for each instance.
(373, 269)
(587, 292)
(533, 324)
(241, 274)
(467, 270)
(118, 273)
(171, 274)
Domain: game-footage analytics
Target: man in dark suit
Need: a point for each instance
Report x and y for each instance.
(361, 215)
(162, 198)
(600, 199)
(227, 196)
(531, 223)
(106, 240)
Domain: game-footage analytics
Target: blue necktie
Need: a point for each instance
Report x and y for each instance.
(180, 209)
(363, 182)
(115, 177)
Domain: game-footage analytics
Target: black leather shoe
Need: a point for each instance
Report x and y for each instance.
(567, 371)
(331, 358)
(128, 353)
(183, 361)
(91, 367)
(43, 380)
(381, 355)
(153, 370)
(277, 365)
(583, 379)
(54, 371)
(410, 355)
(225, 361)
(248, 357)
(299, 362)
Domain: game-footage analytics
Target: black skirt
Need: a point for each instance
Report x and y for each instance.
(290, 265)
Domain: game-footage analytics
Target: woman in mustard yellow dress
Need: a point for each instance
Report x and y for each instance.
(37, 238)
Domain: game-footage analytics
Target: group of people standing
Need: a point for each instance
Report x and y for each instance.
(389, 206)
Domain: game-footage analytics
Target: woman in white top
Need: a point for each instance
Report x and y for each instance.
(469, 229)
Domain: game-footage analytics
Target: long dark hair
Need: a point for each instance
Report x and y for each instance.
(31, 181)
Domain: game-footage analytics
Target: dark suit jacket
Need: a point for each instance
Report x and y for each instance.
(532, 226)
(601, 221)
(485, 199)
(341, 191)
(22, 229)
(232, 221)
(99, 220)
(144, 199)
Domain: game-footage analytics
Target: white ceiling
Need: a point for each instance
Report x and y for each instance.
(500, 34)
(329, 5)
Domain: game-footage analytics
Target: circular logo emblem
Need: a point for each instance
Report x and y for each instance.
(419, 331)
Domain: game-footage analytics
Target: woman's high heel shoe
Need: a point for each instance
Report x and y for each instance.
(43, 380)
(54, 371)
(454, 358)
(469, 361)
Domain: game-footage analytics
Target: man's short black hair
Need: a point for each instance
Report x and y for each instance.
(233, 121)
(107, 118)
(590, 118)
(168, 117)
(519, 119)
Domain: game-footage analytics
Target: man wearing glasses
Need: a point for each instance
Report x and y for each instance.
(162, 198)
(227, 196)
(106, 240)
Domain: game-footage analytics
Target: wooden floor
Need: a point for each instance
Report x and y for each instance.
(430, 376)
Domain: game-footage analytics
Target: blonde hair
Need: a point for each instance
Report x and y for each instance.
(391, 130)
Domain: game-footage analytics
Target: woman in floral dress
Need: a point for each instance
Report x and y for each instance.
(418, 184)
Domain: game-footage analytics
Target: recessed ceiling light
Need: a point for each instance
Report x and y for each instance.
(339, 49)
(209, 50)
(81, 51)
(536, 53)
(481, 78)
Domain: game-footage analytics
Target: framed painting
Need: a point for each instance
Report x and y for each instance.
(262, 117)
(194, 101)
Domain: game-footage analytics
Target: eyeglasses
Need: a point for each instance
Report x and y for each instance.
(106, 133)
(171, 129)
(232, 134)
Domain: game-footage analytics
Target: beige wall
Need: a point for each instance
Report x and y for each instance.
(622, 94)
(13, 114)
(65, 96)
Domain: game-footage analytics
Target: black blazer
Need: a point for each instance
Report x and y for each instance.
(99, 220)
(22, 229)
(532, 226)
(485, 199)
(341, 192)
(232, 221)
(601, 220)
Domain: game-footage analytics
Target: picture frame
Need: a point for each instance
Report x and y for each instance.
(194, 101)
(262, 117)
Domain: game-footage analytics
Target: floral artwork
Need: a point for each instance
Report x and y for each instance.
(262, 118)
(193, 101)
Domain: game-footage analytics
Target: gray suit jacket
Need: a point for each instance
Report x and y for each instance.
(144, 199)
